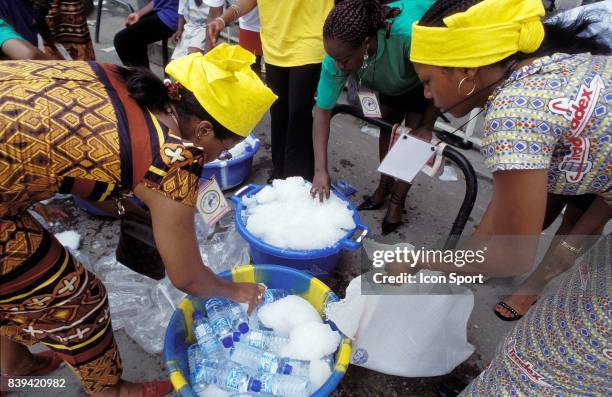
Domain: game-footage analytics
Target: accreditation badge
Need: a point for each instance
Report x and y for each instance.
(211, 203)
(369, 103)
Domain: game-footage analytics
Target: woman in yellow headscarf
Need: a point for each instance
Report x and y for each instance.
(101, 131)
(546, 97)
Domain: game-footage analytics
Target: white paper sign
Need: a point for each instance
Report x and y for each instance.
(211, 203)
(406, 158)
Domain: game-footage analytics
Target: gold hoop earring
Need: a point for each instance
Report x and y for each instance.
(461, 83)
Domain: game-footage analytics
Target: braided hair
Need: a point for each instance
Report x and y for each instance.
(352, 21)
(559, 36)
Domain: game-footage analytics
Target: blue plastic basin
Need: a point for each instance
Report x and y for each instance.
(179, 334)
(233, 172)
(319, 262)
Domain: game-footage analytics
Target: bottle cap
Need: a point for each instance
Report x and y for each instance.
(287, 369)
(256, 386)
(236, 336)
(243, 327)
(227, 342)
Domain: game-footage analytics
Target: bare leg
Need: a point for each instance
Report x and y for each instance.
(576, 223)
(17, 360)
(377, 199)
(395, 210)
(400, 188)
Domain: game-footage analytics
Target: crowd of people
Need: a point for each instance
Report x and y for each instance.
(543, 86)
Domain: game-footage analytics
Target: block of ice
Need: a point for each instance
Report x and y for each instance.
(287, 313)
(286, 216)
(311, 341)
(318, 372)
(69, 239)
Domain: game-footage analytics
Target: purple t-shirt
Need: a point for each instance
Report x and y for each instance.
(167, 11)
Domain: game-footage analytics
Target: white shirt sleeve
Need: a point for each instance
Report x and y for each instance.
(214, 3)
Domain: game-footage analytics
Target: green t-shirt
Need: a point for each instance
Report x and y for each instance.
(390, 72)
(7, 32)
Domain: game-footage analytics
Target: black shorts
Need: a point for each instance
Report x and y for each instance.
(396, 107)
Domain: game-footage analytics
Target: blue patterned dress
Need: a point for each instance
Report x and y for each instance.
(555, 114)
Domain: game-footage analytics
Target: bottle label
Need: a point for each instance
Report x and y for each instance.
(268, 363)
(220, 325)
(266, 383)
(257, 340)
(234, 379)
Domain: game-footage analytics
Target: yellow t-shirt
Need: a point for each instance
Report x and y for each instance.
(292, 30)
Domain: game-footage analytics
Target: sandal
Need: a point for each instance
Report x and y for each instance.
(368, 204)
(515, 315)
(388, 227)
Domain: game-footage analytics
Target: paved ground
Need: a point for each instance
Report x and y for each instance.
(431, 207)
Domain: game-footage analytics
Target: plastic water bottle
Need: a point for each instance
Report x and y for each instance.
(194, 355)
(228, 377)
(265, 340)
(266, 362)
(200, 368)
(272, 295)
(239, 316)
(284, 385)
(207, 339)
(217, 311)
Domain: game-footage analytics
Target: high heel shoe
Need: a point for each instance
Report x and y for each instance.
(368, 205)
(381, 190)
(389, 227)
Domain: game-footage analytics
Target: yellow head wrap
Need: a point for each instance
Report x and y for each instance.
(482, 35)
(225, 85)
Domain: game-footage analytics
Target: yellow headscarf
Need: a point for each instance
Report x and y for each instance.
(482, 35)
(225, 85)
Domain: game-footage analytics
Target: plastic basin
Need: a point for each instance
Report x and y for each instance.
(233, 172)
(319, 262)
(179, 334)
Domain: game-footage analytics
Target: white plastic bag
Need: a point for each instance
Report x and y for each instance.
(406, 335)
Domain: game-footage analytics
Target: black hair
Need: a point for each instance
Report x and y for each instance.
(560, 35)
(352, 21)
(151, 93)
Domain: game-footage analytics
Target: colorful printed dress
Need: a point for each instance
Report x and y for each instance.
(71, 127)
(555, 114)
(561, 347)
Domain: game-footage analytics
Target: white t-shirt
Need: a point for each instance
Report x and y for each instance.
(249, 21)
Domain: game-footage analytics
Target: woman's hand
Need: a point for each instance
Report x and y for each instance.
(422, 133)
(132, 19)
(49, 213)
(320, 185)
(213, 29)
(248, 293)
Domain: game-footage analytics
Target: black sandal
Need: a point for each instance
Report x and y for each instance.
(368, 204)
(515, 315)
(388, 227)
